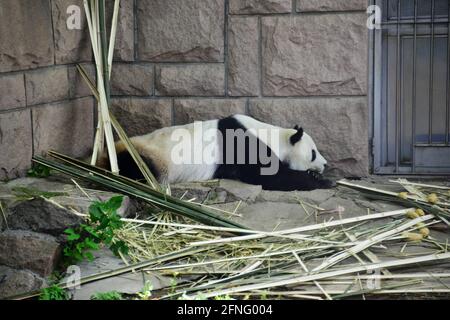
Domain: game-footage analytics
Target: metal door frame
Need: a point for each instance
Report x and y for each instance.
(375, 78)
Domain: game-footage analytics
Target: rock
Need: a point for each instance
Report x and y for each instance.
(243, 66)
(190, 80)
(191, 190)
(141, 116)
(132, 79)
(124, 44)
(78, 87)
(26, 39)
(216, 196)
(314, 197)
(127, 283)
(71, 45)
(378, 206)
(190, 110)
(47, 85)
(308, 55)
(14, 282)
(30, 250)
(73, 197)
(12, 91)
(42, 216)
(267, 216)
(259, 6)
(180, 30)
(331, 5)
(228, 209)
(49, 184)
(350, 209)
(240, 191)
(81, 204)
(337, 125)
(72, 120)
(15, 143)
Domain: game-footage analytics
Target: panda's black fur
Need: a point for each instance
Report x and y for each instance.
(286, 179)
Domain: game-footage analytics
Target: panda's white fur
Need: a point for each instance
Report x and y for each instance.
(157, 149)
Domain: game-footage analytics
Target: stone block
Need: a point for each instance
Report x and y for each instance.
(339, 127)
(243, 66)
(15, 143)
(190, 80)
(26, 39)
(180, 30)
(141, 116)
(67, 127)
(309, 55)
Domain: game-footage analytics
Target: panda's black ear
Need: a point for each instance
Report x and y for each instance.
(296, 127)
(297, 136)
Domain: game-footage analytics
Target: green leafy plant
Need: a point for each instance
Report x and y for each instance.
(53, 292)
(38, 171)
(146, 292)
(101, 228)
(109, 295)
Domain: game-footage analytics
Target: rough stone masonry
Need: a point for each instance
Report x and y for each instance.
(285, 62)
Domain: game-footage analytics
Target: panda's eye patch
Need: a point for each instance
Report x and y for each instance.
(313, 155)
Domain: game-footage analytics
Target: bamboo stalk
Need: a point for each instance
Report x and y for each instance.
(149, 177)
(217, 261)
(329, 274)
(403, 181)
(103, 84)
(141, 189)
(112, 38)
(135, 189)
(334, 291)
(93, 31)
(369, 242)
(4, 215)
(307, 271)
(369, 254)
(305, 228)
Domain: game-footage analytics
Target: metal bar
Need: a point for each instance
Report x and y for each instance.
(378, 94)
(447, 111)
(398, 92)
(386, 92)
(430, 109)
(411, 21)
(414, 103)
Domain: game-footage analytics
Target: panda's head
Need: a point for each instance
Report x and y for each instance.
(303, 154)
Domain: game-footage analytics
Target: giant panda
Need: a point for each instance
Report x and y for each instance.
(238, 147)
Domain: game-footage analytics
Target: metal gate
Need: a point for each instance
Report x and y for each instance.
(411, 94)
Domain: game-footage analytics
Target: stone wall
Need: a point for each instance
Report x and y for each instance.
(286, 62)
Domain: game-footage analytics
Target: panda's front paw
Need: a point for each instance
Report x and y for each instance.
(326, 184)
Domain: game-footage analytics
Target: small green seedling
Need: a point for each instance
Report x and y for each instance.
(38, 171)
(146, 292)
(101, 229)
(54, 292)
(109, 295)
